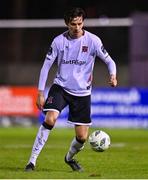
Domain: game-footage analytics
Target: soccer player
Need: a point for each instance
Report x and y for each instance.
(75, 51)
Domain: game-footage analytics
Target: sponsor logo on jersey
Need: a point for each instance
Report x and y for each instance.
(50, 51)
(84, 48)
(76, 62)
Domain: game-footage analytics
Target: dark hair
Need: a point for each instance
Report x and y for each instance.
(74, 12)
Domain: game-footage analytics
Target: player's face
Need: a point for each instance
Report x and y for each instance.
(75, 27)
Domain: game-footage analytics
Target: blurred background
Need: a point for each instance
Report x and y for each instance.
(123, 29)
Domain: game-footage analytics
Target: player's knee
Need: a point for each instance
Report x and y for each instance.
(81, 133)
(51, 118)
(50, 121)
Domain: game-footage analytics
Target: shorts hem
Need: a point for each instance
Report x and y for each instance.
(79, 123)
(45, 110)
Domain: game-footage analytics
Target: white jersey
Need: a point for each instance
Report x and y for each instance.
(76, 59)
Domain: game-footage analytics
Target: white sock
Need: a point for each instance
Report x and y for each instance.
(39, 143)
(75, 147)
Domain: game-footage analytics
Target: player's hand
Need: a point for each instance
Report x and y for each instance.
(113, 81)
(40, 100)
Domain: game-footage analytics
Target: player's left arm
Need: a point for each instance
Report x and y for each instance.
(112, 71)
(105, 57)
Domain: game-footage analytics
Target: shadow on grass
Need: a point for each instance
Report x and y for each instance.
(20, 169)
(38, 170)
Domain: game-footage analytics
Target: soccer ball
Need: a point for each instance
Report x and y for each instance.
(99, 140)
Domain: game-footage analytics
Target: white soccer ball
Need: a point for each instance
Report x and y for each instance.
(99, 140)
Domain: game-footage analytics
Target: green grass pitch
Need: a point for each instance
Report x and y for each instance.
(127, 158)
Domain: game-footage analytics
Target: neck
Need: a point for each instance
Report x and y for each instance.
(75, 36)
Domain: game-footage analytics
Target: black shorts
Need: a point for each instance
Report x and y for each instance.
(79, 107)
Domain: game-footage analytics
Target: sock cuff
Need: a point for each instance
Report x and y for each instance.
(47, 126)
(80, 141)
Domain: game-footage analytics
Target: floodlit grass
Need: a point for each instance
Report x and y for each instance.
(127, 158)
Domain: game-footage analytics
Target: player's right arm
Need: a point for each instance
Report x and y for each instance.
(40, 99)
(50, 57)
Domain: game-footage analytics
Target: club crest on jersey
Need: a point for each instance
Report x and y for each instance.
(49, 100)
(84, 48)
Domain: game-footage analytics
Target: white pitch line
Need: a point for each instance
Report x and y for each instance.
(119, 145)
(16, 146)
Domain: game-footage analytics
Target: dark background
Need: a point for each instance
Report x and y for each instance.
(35, 9)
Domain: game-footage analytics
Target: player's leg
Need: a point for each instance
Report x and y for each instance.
(53, 106)
(41, 138)
(77, 143)
(76, 146)
(79, 115)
